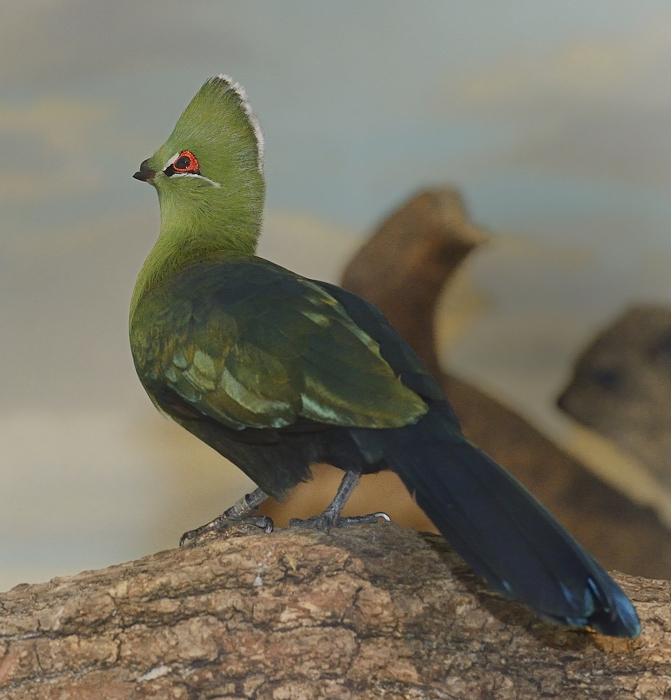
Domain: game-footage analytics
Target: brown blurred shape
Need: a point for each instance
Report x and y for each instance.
(621, 386)
(402, 269)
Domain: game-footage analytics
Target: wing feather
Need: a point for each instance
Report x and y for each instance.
(253, 345)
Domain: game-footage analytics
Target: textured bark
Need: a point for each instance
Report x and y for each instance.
(367, 612)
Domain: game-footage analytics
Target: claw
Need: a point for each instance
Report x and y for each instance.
(382, 515)
(240, 513)
(326, 521)
(222, 523)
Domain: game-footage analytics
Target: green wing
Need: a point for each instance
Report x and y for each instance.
(253, 345)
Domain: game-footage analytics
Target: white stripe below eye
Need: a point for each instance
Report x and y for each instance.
(200, 177)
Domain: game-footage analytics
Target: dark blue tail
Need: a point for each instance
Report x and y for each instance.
(498, 527)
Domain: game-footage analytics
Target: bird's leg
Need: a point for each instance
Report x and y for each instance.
(331, 516)
(240, 513)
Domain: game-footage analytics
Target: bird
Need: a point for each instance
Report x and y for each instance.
(277, 372)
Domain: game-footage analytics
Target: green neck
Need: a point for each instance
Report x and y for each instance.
(222, 225)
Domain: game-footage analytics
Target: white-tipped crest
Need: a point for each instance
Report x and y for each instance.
(242, 94)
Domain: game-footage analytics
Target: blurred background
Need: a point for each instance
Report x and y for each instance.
(551, 118)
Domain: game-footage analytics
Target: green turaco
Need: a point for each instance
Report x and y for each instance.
(277, 372)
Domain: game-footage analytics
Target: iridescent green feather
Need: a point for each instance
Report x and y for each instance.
(263, 353)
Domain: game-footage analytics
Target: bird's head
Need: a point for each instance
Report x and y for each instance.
(209, 173)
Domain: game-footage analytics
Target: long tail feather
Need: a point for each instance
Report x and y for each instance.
(498, 527)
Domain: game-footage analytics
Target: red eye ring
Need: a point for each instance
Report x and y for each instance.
(186, 162)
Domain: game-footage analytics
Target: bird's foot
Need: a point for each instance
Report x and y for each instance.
(239, 517)
(229, 525)
(327, 520)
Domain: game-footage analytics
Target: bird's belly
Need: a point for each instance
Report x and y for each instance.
(279, 461)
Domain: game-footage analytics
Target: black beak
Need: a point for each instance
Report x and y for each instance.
(144, 173)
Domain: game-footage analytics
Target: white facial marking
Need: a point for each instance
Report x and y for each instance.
(200, 177)
(170, 161)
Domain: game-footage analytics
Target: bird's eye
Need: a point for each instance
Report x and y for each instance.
(185, 162)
